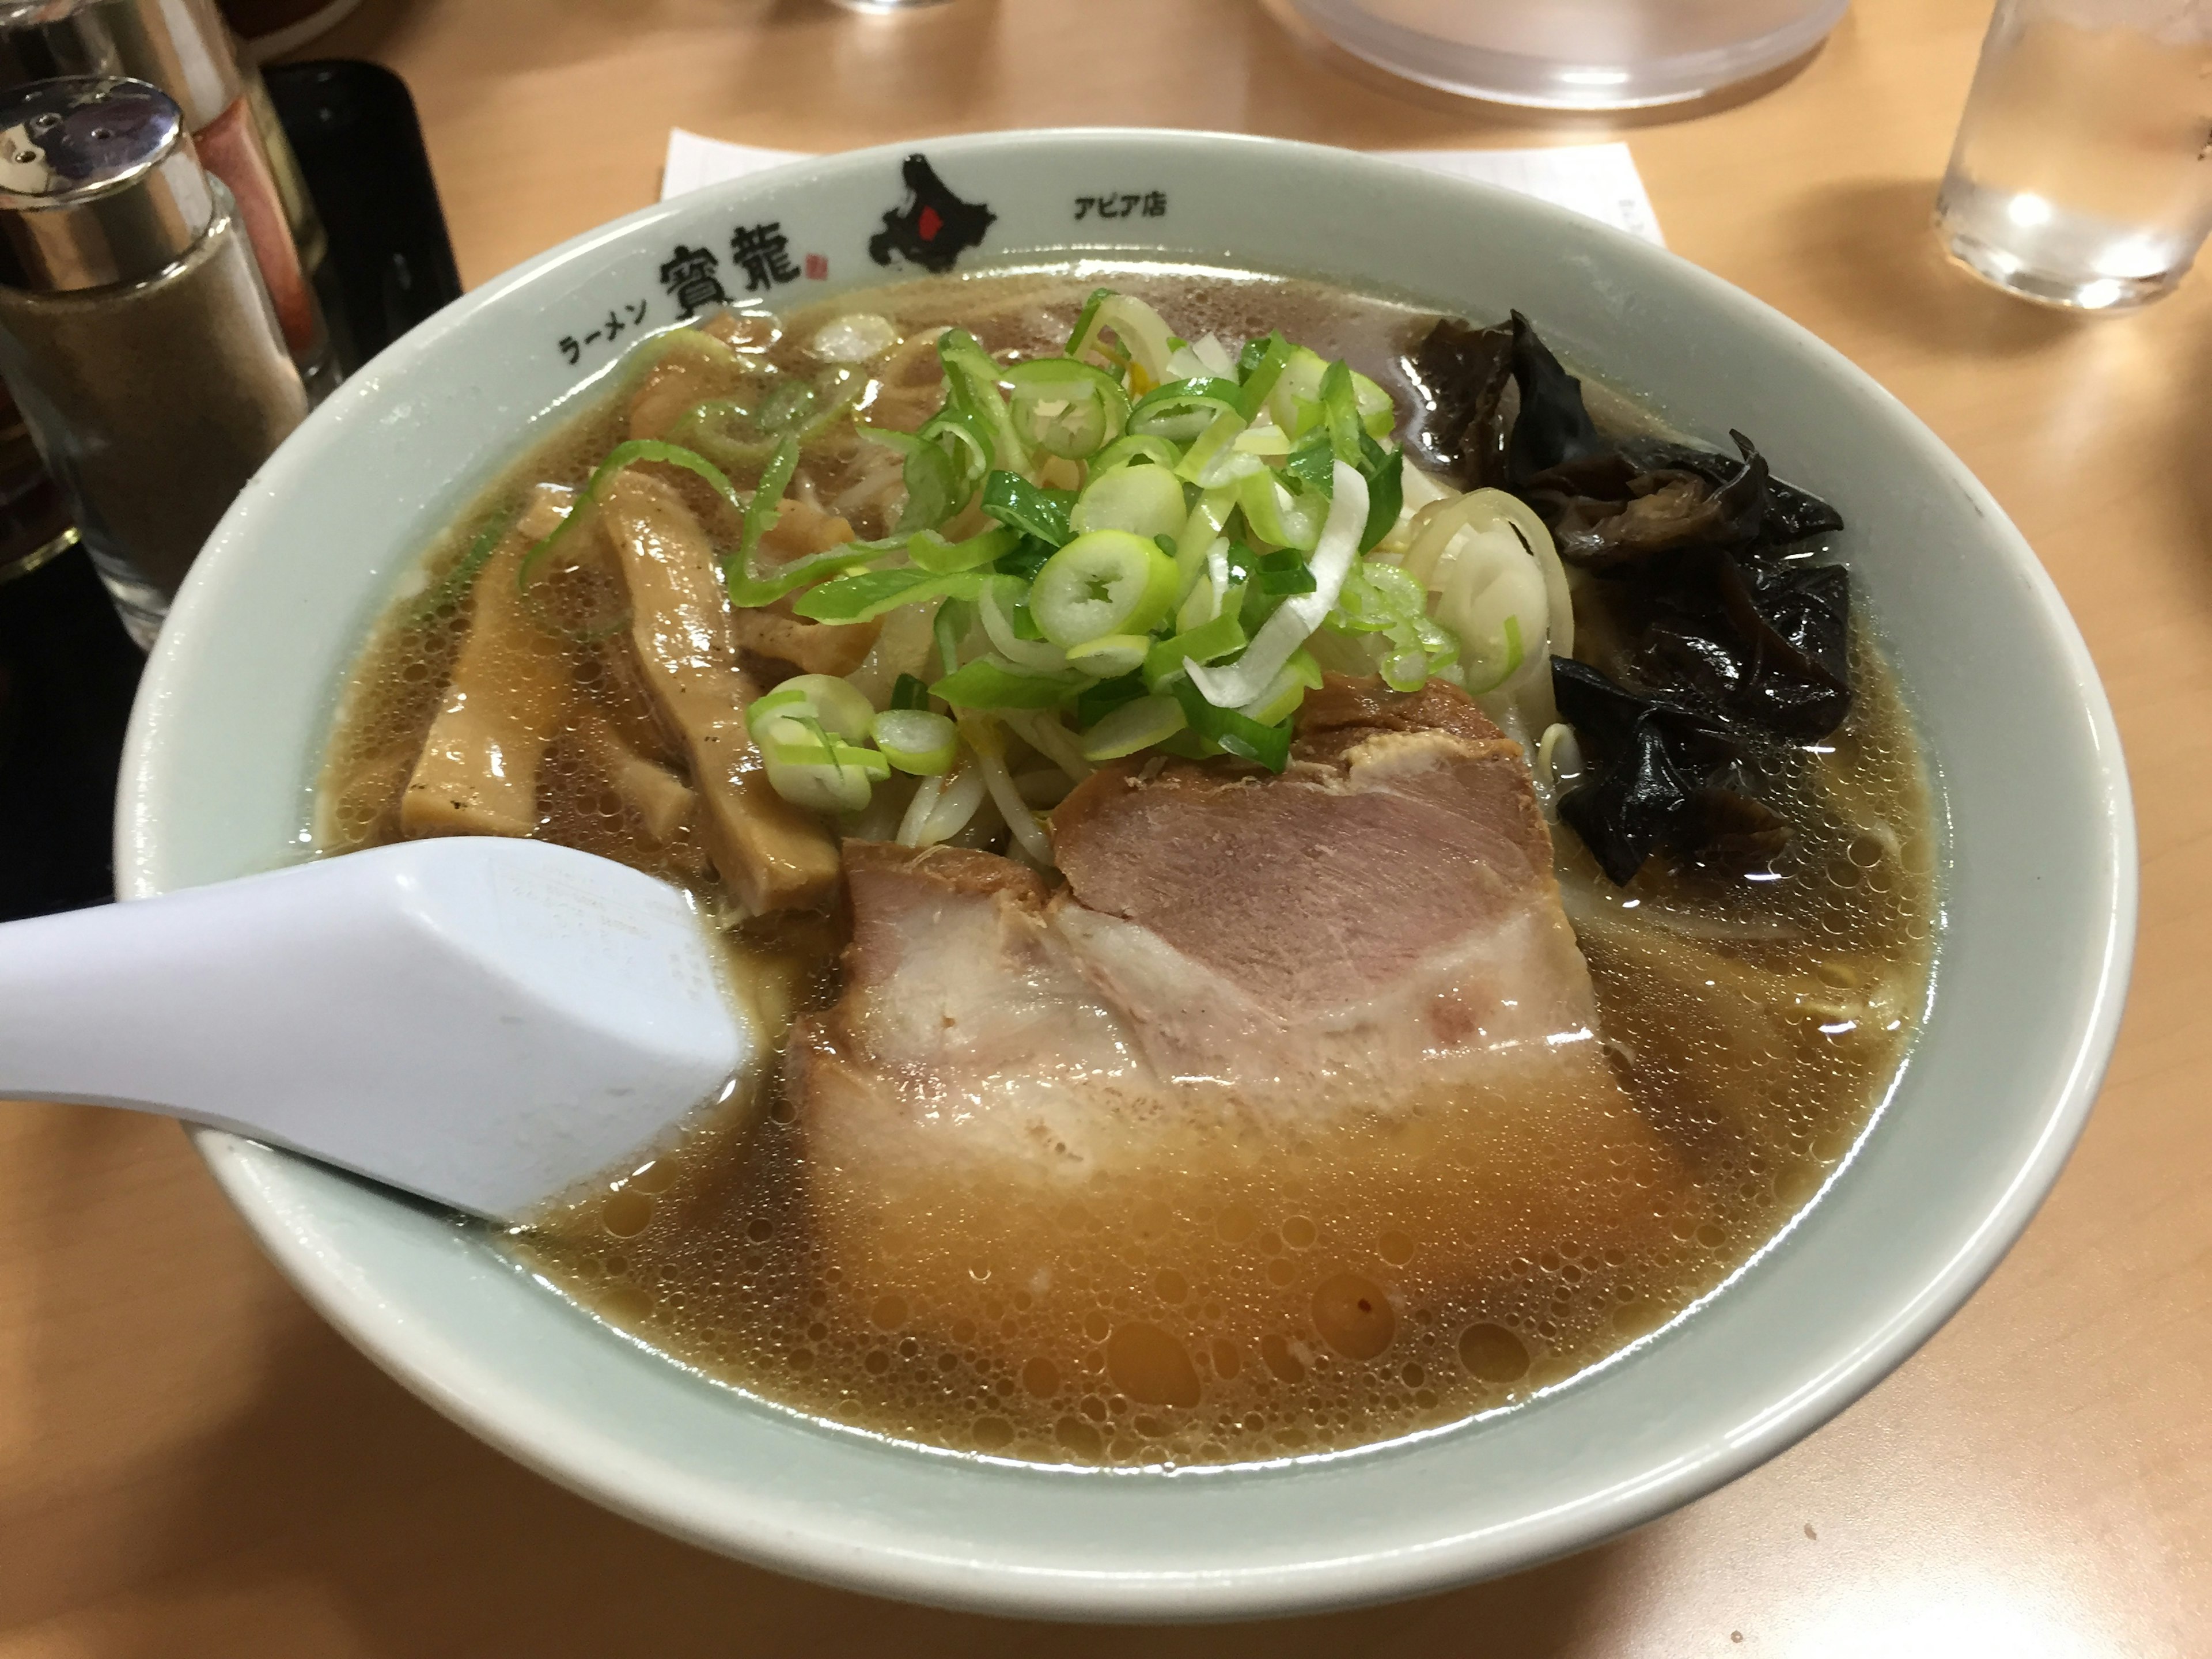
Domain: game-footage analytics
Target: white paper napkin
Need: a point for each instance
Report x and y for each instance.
(1598, 179)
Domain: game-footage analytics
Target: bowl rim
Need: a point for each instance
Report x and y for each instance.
(575, 1454)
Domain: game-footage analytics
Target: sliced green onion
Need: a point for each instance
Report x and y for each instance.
(994, 682)
(1385, 472)
(448, 593)
(1131, 448)
(1266, 440)
(1135, 725)
(767, 497)
(1182, 409)
(1378, 415)
(931, 551)
(1295, 619)
(1208, 514)
(1284, 572)
(1205, 356)
(796, 409)
(1094, 703)
(916, 741)
(869, 594)
(625, 455)
(1066, 408)
(1311, 466)
(1340, 409)
(947, 628)
(1272, 356)
(837, 704)
(1110, 656)
(1207, 642)
(1296, 399)
(1145, 501)
(1001, 611)
(967, 445)
(1277, 516)
(908, 692)
(1213, 459)
(1234, 734)
(971, 386)
(1013, 500)
(747, 593)
(1377, 594)
(1300, 675)
(932, 482)
(819, 772)
(1106, 582)
(1143, 334)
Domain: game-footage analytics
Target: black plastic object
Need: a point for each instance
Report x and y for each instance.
(68, 672)
(361, 150)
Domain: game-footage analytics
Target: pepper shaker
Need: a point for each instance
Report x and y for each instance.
(135, 334)
(182, 47)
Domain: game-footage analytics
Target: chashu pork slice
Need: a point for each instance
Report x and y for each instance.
(1359, 967)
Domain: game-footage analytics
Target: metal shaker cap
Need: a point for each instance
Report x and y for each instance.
(98, 183)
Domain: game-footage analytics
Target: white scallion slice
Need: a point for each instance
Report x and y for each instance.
(1277, 517)
(840, 709)
(827, 776)
(996, 611)
(917, 740)
(1242, 682)
(1065, 408)
(1107, 582)
(1145, 501)
(942, 806)
(1133, 726)
(1300, 675)
(1111, 656)
(1143, 334)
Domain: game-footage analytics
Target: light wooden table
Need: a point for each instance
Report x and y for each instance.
(191, 1464)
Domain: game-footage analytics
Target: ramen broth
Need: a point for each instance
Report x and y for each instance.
(1234, 1294)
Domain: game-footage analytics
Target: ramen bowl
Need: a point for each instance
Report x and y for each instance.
(2037, 879)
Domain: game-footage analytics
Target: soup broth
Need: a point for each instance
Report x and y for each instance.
(1226, 1291)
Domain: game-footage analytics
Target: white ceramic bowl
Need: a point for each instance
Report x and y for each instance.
(2039, 902)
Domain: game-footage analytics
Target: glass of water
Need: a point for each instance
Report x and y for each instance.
(2082, 173)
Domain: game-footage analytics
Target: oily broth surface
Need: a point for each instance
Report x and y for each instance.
(1260, 1291)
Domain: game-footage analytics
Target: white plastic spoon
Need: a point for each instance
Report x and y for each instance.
(485, 1022)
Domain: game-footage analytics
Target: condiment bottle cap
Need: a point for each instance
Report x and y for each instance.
(98, 183)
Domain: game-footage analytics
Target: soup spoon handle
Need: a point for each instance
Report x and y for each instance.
(484, 1022)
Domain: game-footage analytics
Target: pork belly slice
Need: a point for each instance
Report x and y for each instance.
(1362, 962)
(772, 854)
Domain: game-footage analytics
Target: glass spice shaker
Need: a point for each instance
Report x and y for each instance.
(182, 47)
(134, 332)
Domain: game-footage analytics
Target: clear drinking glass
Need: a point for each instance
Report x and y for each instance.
(1575, 54)
(2082, 173)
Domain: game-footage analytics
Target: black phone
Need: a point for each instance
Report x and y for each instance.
(390, 265)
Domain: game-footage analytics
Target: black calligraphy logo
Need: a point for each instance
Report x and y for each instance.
(932, 226)
(690, 278)
(763, 252)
